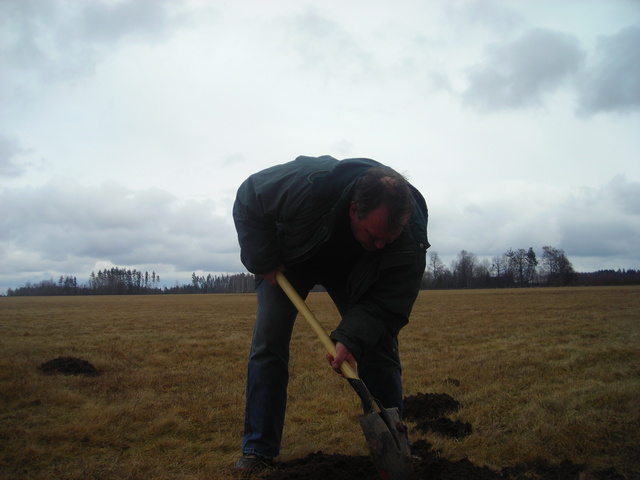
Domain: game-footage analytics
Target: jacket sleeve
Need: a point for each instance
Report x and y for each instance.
(269, 201)
(255, 222)
(383, 308)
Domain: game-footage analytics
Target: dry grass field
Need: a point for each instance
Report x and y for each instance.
(543, 373)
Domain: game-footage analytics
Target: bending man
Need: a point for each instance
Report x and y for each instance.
(354, 226)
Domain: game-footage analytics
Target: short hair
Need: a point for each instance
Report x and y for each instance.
(383, 186)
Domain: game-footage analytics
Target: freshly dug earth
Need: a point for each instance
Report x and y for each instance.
(428, 411)
(69, 366)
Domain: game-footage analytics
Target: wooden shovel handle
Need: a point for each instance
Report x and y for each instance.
(346, 368)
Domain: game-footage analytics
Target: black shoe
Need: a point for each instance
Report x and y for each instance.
(249, 464)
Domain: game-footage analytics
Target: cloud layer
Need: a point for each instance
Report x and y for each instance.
(612, 84)
(127, 126)
(64, 227)
(520, 73)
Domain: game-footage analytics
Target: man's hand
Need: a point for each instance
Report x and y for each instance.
(271, 276)
(342, 354)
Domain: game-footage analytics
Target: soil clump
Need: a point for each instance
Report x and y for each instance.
(69, 366)
(429, 410)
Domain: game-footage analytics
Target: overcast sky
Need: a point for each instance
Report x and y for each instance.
(127, 126)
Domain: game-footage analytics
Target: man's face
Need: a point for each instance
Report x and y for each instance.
(371, 231)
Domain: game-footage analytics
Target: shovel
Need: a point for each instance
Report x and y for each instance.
(383, 429)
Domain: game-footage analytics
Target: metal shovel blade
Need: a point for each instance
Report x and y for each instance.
(386, 436)
(388, 444)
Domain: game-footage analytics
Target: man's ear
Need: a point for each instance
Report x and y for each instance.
(353, 210)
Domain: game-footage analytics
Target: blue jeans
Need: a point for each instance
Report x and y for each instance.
(268, 368)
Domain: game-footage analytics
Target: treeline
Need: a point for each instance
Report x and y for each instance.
(609, 277)
(517, 268)
(121, 281)
(238, 283)
(514, 268)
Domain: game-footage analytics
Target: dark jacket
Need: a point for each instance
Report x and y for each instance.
(284, 214)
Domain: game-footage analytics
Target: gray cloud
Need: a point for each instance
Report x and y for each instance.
(484, 13)
(519, 73)
(321, 44)
(112, 21)
(67, 228)
(234, 159)
(343, 147)
(602, 221)
(613, 82)
(598, 227)
(625, 194)
(10, 151)
(44, 42)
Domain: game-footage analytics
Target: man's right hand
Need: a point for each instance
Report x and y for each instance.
(271, 276)
(342, 355)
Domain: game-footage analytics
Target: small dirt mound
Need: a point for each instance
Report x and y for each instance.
(428, 410)
(69, 366)
(426, 406)
(452, 381)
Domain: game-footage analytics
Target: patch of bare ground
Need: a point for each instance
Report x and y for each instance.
(427, 411)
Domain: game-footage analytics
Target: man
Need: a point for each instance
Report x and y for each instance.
(357, 228)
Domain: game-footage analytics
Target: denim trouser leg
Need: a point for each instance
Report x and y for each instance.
(268, 373)
(380, 370)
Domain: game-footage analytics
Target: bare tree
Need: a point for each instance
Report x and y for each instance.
(557, 266)
(517, 263)
(482, 273)
(436, 266)
(531, 267)
(463, 269)
(522, 264)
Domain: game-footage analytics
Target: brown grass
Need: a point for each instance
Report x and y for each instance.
(544, 373)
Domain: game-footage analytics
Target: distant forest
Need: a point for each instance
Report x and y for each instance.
(512, 269)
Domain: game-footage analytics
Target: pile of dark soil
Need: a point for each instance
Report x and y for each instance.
(429, 405)
(69, 366)
(428, 411)
(428, 466)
